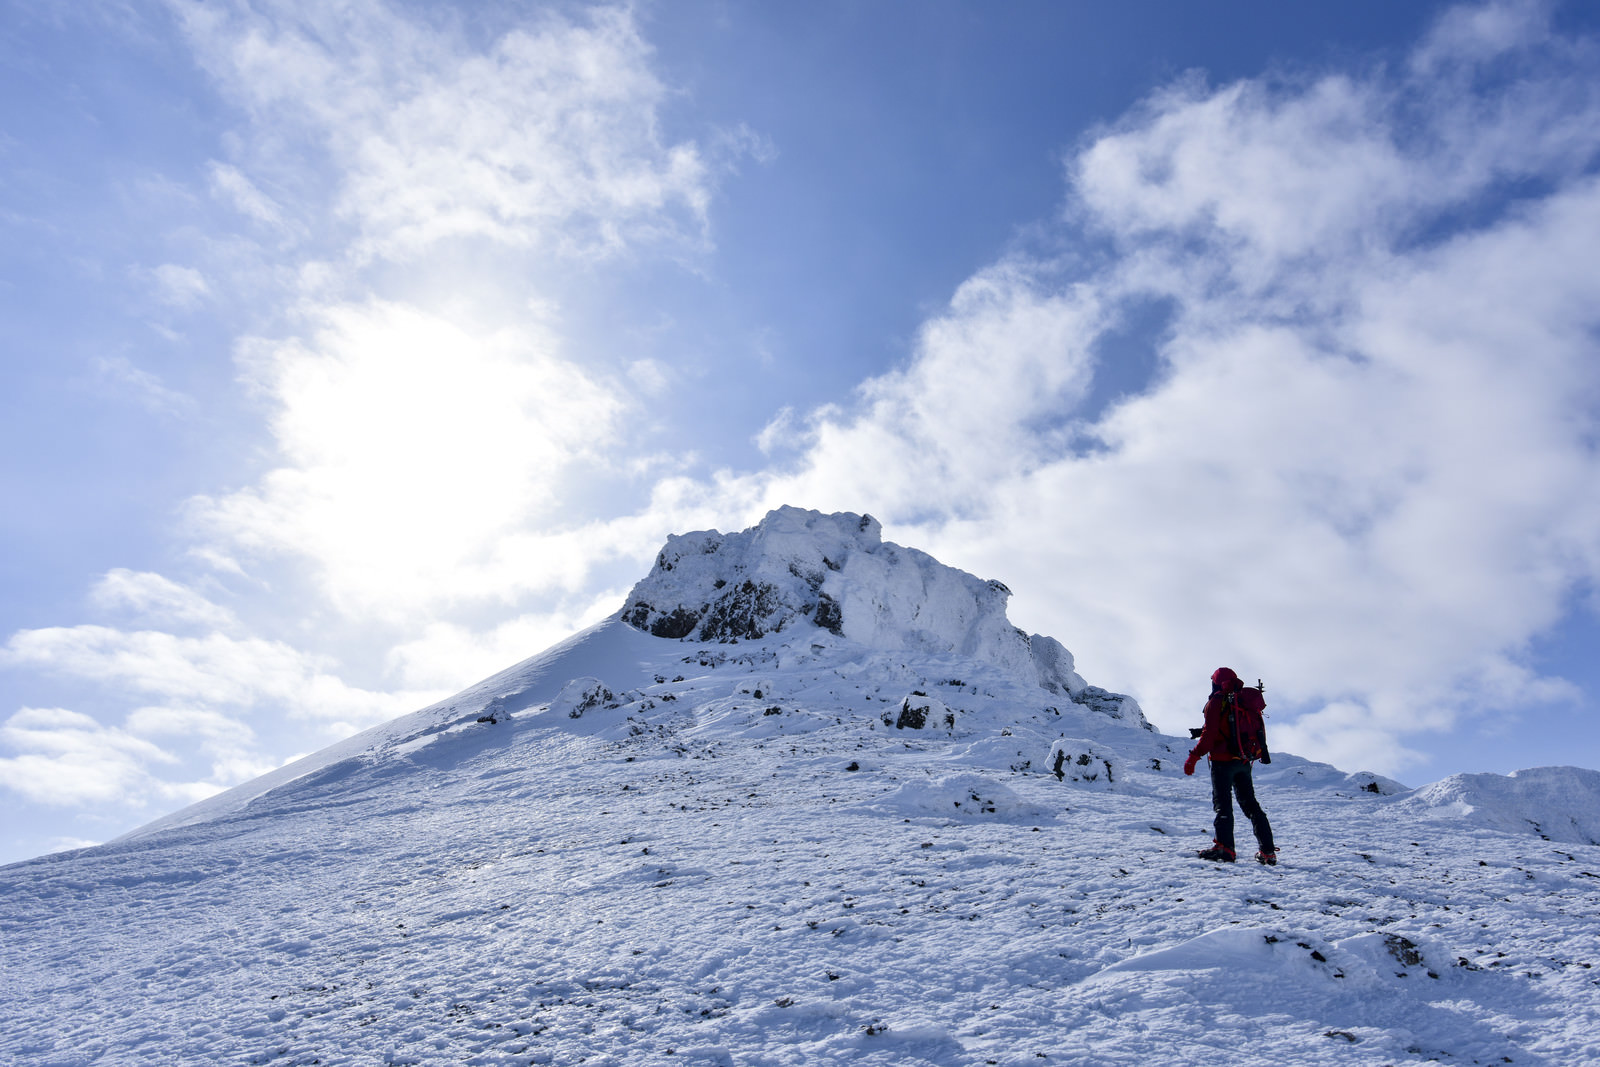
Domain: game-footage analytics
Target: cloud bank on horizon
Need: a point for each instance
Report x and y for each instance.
(1363, 461)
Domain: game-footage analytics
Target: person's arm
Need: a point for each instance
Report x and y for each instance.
(1210, 736)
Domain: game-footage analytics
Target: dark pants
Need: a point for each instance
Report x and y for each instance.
(1230, 778)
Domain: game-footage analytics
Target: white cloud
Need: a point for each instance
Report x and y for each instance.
(1007, 358)
(409, 194)
(154, 598)
(1285, 175)
(548, 137)
(780, 433)
(231, 184)
(1477, 32)
(67, 759)
(204, 688)
(1364, 467)
(649, 375)
(449, 655)
(212, 671)
(120, 375)
(212, 726)
(230, 744)
(180, 287)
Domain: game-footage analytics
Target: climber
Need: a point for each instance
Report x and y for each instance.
(1232, 738)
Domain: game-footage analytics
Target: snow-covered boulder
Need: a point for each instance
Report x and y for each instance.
(919, 711)
(800, 568)
(1557, 803)
(581, 694)
(1077, 760)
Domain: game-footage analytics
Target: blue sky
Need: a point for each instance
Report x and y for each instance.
(355, 350)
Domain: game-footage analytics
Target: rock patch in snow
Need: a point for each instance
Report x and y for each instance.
(581, 694)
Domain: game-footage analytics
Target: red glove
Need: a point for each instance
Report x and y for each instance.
(1188, 764)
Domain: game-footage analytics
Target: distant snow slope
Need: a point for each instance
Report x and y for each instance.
(1557, 803)
(803, 849)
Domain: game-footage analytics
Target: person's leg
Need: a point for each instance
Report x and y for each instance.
(1222, 801)
(1244, 785)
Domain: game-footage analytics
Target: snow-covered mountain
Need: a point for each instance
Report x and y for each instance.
(809, 798)
(836, 572)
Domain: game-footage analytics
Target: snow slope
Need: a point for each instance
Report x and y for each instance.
(1557, 803)
(748, 854)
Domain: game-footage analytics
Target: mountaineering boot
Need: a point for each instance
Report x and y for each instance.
(1267, 859)
(1218, 853)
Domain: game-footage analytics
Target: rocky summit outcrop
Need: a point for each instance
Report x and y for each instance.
(804, 569)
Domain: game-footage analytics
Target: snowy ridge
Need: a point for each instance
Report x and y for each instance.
(607, 647)
(1557, 803)
(797, 849)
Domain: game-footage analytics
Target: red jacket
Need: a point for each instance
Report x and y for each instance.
(1213, 740)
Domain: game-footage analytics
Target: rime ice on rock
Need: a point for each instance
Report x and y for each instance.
(800, 568)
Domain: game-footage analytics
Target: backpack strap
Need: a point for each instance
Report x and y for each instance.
(1231, 735)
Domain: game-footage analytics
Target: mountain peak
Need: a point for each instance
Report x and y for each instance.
(799, 569)
(710, 586)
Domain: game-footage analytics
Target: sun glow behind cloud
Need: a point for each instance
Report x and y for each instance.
(412, 448)
(427, 416)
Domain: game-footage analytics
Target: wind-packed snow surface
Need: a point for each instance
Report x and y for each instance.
(892, 830)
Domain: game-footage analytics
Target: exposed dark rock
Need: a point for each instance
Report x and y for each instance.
(742, 614)
(829, 616)
(1403, 949)
(677, 623)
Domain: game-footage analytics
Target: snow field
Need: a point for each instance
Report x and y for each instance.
(690, 876)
